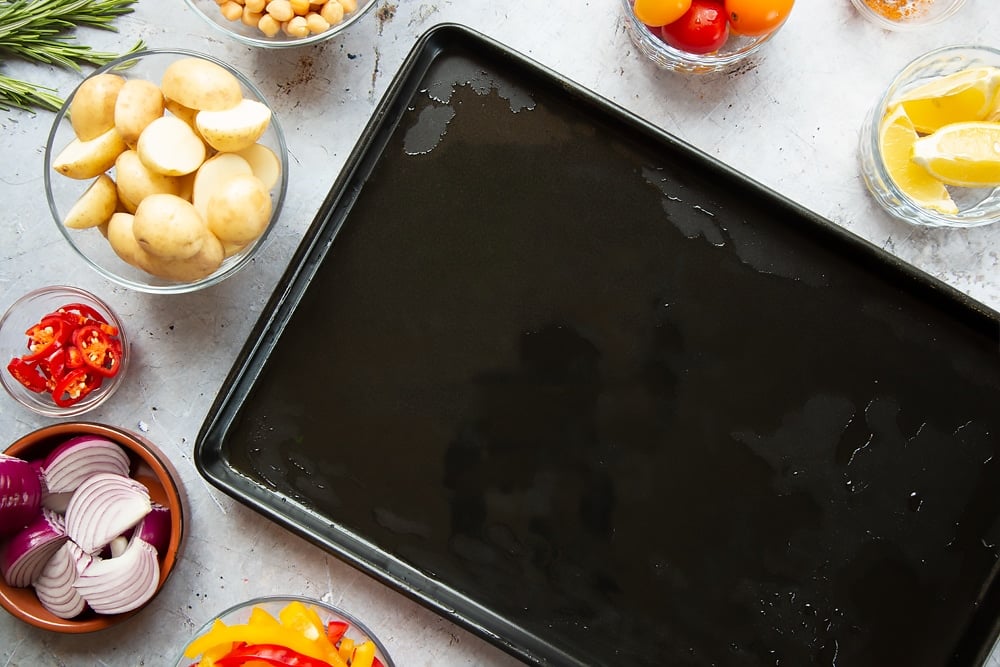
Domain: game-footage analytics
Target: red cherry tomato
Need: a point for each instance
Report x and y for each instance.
(702, 29)
(755, 18)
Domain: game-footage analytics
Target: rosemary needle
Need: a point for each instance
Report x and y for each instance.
(41, 31)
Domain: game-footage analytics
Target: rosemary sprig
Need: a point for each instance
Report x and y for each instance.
(41, 31)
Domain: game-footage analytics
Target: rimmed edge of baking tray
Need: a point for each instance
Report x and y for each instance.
(983, 629)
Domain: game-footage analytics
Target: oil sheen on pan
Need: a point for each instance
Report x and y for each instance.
(628, 403)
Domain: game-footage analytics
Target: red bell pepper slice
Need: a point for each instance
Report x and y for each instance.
(97, 349)
(74, 386)
(335, 630)
(271, 654)
(27, 374)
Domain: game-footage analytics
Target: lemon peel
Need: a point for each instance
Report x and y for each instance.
(896, 138)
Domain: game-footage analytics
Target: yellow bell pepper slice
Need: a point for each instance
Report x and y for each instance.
(364, 654)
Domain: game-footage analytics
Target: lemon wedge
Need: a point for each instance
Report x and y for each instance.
(966, 95)
(962, 154)
(896, 139)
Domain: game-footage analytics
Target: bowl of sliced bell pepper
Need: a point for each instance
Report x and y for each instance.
(65, 351)
(284, 630)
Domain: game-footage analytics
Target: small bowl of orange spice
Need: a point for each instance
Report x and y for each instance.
(906, 14)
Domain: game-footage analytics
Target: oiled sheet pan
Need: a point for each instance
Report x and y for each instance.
(603, 401)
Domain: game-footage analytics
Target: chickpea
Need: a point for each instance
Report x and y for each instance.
(268, 25)
(296, 27)
(332, 12)
(300, 7)
(316, 23)
(280, 10)
(231, 10)
(348, 5)
(250, 18)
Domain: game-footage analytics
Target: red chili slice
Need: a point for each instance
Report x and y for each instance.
(98, 349)
(27, 374)
(44, 337)
(74, 386)
(86, 311)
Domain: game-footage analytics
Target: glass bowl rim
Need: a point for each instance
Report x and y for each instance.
(167, 287)
(867, 12)
(684, 61)
(267, 43)
(277, 599)
(107, 389)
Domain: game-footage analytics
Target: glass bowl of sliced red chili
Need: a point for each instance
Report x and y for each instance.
(65, 351)
(285, 630)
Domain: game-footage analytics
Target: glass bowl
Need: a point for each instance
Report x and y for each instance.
(92, 244)
(906, 14)
(248, 32)
(149, 466)
(290, 611)
(28, 311)
(975, 206)
(736, 50)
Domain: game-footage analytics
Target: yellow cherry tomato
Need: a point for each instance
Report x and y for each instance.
(755, 18)
(658, 13)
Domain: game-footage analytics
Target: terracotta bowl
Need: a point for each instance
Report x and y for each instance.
(149, 466)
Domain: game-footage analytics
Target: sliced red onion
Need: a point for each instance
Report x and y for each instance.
(54, 587)
(78, 458)
(24, 556)
(20, 494)
(103, 507)
(154, 528)
(118, 585)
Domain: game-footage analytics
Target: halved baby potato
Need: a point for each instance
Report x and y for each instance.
(88, 159)
(236, 128)
(213, 174)
(169, 146)
(264, 162)
(95, 206)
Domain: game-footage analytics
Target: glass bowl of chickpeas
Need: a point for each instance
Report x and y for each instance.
(281, 23)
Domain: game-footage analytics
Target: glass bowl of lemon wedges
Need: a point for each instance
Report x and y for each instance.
(930, 147)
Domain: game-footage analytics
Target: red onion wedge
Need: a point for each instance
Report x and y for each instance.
(154, 528)
(54, 587)
(24, 556)
(69, 464)
(103, 507)
(121, 584)
(20, 494)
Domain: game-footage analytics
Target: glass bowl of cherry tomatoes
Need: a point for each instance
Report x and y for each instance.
(702, 36)
(65, 351)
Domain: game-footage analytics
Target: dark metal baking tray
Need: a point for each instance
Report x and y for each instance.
(602, 400)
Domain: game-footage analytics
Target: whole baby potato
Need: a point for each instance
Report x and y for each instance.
(239, 211)
(95, 205)
(135, 181)
(92, 111)
(122, 239)
(88, 159)
(168, 227)
(212, 174)
(139, 103)
(201, 84)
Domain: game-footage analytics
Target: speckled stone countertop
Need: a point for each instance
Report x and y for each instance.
(789, 120)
